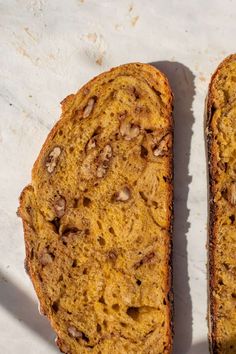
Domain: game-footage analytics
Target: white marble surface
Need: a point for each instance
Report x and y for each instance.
(48, 50)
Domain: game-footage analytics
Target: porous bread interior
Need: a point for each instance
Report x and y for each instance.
(108, 277)
(223, 173)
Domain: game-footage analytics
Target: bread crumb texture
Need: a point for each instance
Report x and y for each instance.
(223, 189)
(97, 216)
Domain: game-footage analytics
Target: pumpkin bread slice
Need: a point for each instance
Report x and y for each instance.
(221, 136)
(97, 216)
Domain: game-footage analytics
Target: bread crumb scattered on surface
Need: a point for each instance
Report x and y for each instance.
(134, 20)
(92, 37)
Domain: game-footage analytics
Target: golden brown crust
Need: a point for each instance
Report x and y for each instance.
(28, 192)
(212, 230)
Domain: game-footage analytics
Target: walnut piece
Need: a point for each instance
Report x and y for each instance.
(112, 256)
(129, 130)
(146, 259)
(60, 206)
(231, 193)
(45, 257)
(91, 144)
(123, 195)
(88, 109)
(52, 159)
(104, 160)
(163, 146)
(70, 233)
(122, 115)
(73, 332)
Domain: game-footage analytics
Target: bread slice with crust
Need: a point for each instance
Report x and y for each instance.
(97, 216)
(221, 138)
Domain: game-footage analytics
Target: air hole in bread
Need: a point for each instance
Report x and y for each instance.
(232, 218)
(86, 232)
(99, 327)
(76, 203)
(143, 196)
(155, 204)
(69, 230)
(148, 131)
(101, 300)
(31, 253)
(138, 282)
(84, 337)
(213, 109)
(105, 324)
(158, 93)
(123, 324)
(143, 152)
(28, 209)
(86, 201)
(116, 307)
(101, 241)
(133, 312)
(74, 263)
(111, 230)
(55, 306)
(226, 266)
(99, 224)
(56, 223)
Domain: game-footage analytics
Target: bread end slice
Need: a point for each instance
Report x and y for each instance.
(221, 144)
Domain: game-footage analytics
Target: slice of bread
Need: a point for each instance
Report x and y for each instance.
(98, 216)
(221, 136)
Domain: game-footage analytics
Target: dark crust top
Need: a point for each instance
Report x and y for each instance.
(209, 110)
(66, 103)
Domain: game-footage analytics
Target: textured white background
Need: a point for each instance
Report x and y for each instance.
(48, 50)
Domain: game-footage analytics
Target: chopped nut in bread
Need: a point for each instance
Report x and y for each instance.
(52, 159)
(123, 195)
(88, 109)
(74, 332)
(60, 206)
(104, 160)
(128, 130)
(161, 148)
